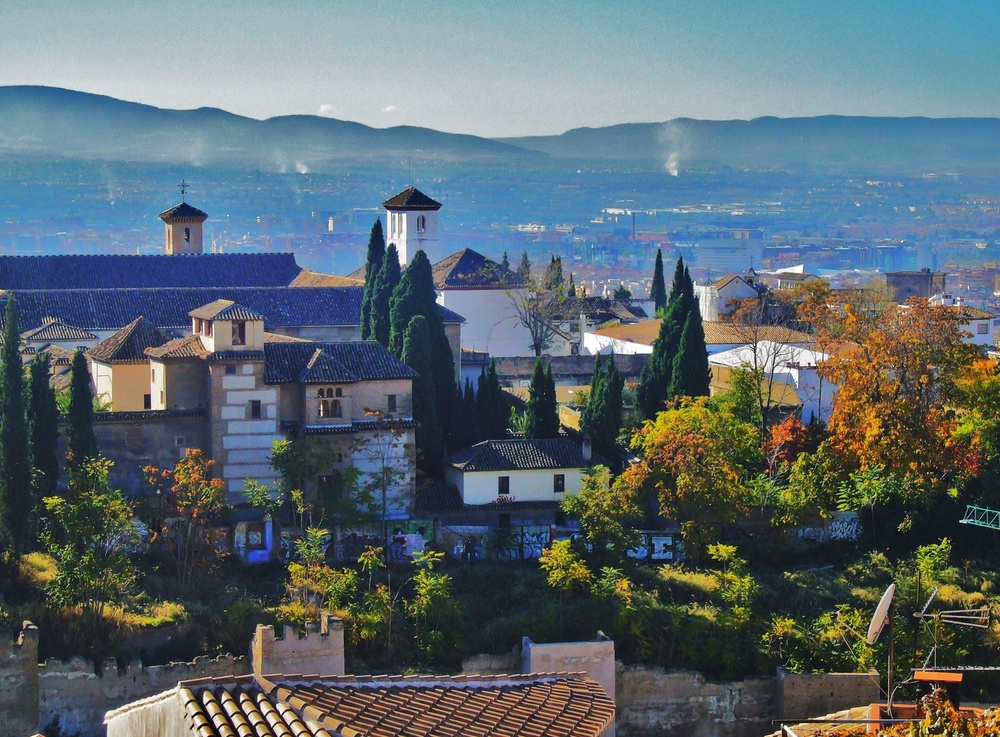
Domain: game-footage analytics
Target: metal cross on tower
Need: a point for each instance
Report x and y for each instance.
(183, 186)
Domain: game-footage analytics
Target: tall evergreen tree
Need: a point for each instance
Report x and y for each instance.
(602, 416)
(492, 407)
(373, 263)
(463, 431)
(82, 441)
(656, 378)
(541, 418)
(413, 296)
(690, 376)
(504, 263)
(553, 278)
(43, 429)
(386, 282)
(658, 291)
(524, 267)
(571, 287)
(418, 354)
(16, 468)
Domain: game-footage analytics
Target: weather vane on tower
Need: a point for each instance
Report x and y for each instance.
(183, 186)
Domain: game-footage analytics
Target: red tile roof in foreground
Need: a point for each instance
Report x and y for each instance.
(556, 704)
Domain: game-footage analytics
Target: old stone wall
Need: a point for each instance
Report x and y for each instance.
(652, 701)
(320, 652)
(79, 697)
(19, 681)
(805, 695)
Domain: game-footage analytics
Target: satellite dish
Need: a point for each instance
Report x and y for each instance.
(881, 615)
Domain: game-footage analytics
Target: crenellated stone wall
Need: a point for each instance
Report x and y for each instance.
(19, 681)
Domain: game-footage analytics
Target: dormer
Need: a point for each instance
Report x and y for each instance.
(223, 325)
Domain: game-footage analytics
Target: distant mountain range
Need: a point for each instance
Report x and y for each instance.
(56, 123)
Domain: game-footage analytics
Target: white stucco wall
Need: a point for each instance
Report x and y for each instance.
(525, 486)
(491, 322)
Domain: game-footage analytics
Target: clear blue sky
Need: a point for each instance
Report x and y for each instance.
(516, 68)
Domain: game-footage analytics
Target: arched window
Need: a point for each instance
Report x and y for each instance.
(421, 223)
(187, 235)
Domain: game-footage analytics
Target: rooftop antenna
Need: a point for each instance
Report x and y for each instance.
(979, 618)
(881, 617)
(183, 187)
(409, 169)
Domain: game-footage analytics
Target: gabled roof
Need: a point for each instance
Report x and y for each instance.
(56, 330)
(521, 454)
(76, 271)
(112, 309)
(331, 363)
(390, 706)
(129, 344)
(183, 211)
(309, 278)
(411, 198)
(224, 309)
(469, 269)
(189, 347)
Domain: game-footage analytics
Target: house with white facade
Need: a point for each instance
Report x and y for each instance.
(638, 338)
(717, 298)
(789, 375)
(502, 472)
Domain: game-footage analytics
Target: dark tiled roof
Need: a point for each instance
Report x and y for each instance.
(392, 706)
(56, 330)
(522, 455)
(224, 309)
(235, 355)
(411, 198)
(329, 363)
(121, 271)
(347, 428)
(183, 211)
(469, 269)
(435, 498)
(189, 347)
(144, 414)
(129, 344)
(112, 309)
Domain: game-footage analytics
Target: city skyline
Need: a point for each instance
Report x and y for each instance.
(514, 69)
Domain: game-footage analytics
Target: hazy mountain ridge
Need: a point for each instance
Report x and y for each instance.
(831, 141)
(56, 123)
(63, 123)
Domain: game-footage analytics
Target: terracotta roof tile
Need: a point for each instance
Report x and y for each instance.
(189, 347)
(54, 329)
(468, 269)
(184, 211)
(411, 198)
(308, 278)
(224, 309)
(129, 344)
(716, 333)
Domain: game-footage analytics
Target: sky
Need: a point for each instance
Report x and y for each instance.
(513, 68)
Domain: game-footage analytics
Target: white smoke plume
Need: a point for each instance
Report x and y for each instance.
(673, 144)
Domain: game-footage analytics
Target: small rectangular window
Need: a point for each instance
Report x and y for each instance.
(230, 369)
(559, 483)
(391, 403)
(982, 328)
(153, 375)
(503, 485)
(162, 400)
(179, 440)
(147, 401)
(254, 409)
(239, 333)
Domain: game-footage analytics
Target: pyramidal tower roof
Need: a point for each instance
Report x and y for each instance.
(411, 198)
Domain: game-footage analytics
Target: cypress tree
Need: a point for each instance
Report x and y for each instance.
(656, 379)
(602, 416)
(504, 264)
(553, 278)
(658, 291)
(43, 428)
(492, 408)
(418, 355)
(691, 376)
(541, 419)
(373, 263)
(386, 282)
(524, 267)
(82, 442)
(571, 289)
(17, 496)
(463, 419)
(413, 296)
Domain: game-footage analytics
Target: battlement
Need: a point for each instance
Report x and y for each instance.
(319, 651)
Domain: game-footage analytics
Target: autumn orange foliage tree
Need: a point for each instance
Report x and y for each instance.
(895, 404)
(191, 500)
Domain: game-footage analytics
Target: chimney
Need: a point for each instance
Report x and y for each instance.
(587, 449)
